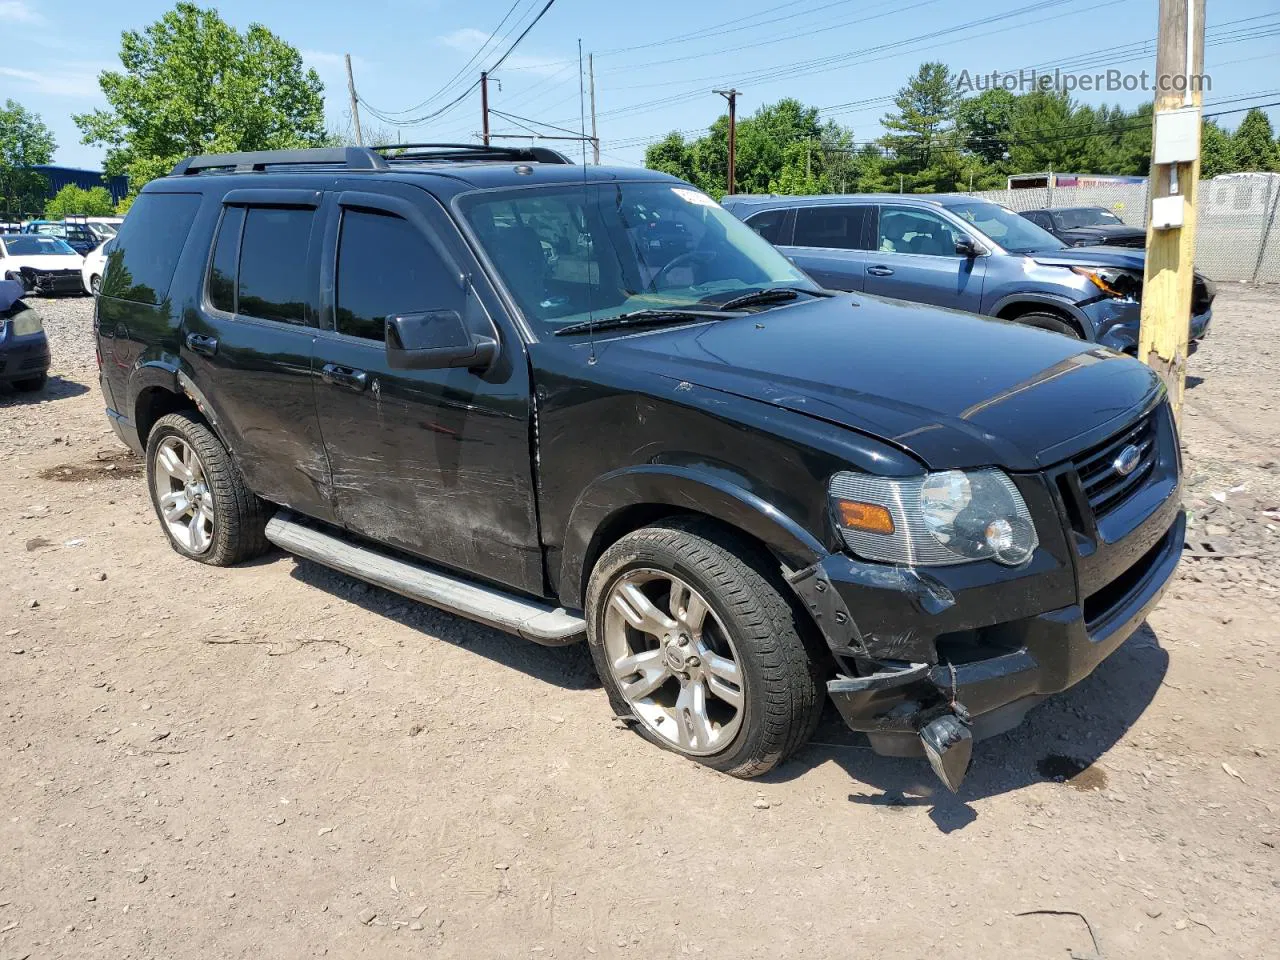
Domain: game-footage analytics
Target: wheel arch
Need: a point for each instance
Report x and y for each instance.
(626, 500)
(1019, 304)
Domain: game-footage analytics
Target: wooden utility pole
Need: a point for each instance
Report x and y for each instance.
(595, 137)
(1171, 211)
(484, 106)
(732, 97)
(355, 106)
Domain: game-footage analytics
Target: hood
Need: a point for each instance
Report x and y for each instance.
(953, 389)
(1133, 258)
(46, 261)
(1105, 230)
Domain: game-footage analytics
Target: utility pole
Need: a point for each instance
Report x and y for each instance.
(355, 108)
(1171, 212)
(732, 97)
(595, 138)
(484, 106)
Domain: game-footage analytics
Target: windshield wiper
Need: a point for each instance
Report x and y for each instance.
(651, 317)
(770, 295)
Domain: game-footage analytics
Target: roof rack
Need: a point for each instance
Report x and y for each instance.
(470, 151)
(352, 158)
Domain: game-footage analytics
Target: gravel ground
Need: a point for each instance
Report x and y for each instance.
(275, 761)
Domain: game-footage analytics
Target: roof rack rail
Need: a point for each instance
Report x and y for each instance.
(471, 151)
(352, 158)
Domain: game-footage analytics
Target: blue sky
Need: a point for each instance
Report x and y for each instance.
(656, 63)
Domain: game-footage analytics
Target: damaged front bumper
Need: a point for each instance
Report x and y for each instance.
(981, 642)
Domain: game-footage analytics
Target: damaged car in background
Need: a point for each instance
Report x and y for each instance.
(43, 265)
(746, 492)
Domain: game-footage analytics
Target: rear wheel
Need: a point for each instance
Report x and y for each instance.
(204, 506)
(1044, 320)
(701, 649)
(95, 285)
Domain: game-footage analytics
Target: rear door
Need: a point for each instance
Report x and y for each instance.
(434, 462)
(830, 243)
(248, 348)
(915, 259)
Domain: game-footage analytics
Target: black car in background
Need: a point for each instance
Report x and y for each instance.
(24, 347)
(1087, 227)
(746, 492)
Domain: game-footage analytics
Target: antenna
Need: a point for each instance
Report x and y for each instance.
(582, 129)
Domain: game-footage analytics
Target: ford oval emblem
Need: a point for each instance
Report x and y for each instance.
(1127, 461)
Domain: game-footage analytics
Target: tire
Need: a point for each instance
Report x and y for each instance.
(779, 683)
(95, 285)
(20, 278)
(1043, 320)
(232, 529)
(31, 384)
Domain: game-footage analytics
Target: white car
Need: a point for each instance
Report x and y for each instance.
(43, 265)
(95, 264)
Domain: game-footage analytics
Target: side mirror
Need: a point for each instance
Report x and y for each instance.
(966, 247)
(436, 340)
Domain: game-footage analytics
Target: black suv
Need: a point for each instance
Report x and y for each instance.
(578, 401)
(1087, 227)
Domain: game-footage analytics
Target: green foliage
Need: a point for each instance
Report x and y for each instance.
(1217, 151)
(70, 200)
(1253, 145)
(937, 141)
(123, 206)
(25, 142)
(193, 84)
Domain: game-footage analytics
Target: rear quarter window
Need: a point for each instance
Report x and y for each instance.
(140, 265)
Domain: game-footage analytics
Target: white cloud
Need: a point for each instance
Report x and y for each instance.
(468, 40)
(77, 80)
(18, 11)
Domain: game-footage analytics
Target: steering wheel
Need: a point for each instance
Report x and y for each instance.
(693, 256)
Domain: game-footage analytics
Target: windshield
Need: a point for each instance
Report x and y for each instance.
(1016, 234)
(569, 253)
(103, 231)
(32, 246)
(50, 229)
(1085, 217)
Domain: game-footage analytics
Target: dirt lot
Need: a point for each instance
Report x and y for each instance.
(277, 761)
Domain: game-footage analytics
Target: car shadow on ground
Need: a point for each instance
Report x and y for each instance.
(568, 667)
(1060, 741)
(55, 389)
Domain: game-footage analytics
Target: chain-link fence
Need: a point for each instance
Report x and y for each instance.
(1237, 236)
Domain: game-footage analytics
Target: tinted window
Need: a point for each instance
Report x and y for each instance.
(916, 231)
(385, 267)
(140, 266)
(273, 264)
(35, 246)
(769, 224)
(837, 228)
(226, 251)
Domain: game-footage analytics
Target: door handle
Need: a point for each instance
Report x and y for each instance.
(347, 377)
(880, 271)
(202, 344)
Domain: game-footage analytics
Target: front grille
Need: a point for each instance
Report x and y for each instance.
(1104, 486)
(1126, 242)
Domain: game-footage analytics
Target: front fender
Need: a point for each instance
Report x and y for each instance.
(685, 488)
(1045, 300)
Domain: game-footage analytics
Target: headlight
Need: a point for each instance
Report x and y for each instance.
(26, 322)
(940, 518)
(1113, 281)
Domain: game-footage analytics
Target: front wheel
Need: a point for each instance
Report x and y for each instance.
(204, 506)
(1043, 320)
(700, 648)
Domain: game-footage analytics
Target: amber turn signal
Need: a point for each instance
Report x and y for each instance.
(870, 517)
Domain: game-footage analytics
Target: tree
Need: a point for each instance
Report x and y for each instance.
(984, 123)
(924, 123)
(1217, 153)
(1048, 134)
(193, 84)
(670, 155)
(70, 200)
(25, 142)
(1254, 144)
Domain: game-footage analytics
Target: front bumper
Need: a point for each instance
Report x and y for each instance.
(23, 358)
(1117, 324)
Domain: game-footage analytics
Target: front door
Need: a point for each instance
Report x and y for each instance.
(915, 259)
(434, 462)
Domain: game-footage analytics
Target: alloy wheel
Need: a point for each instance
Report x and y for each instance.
(674, 661)
(183, 494)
